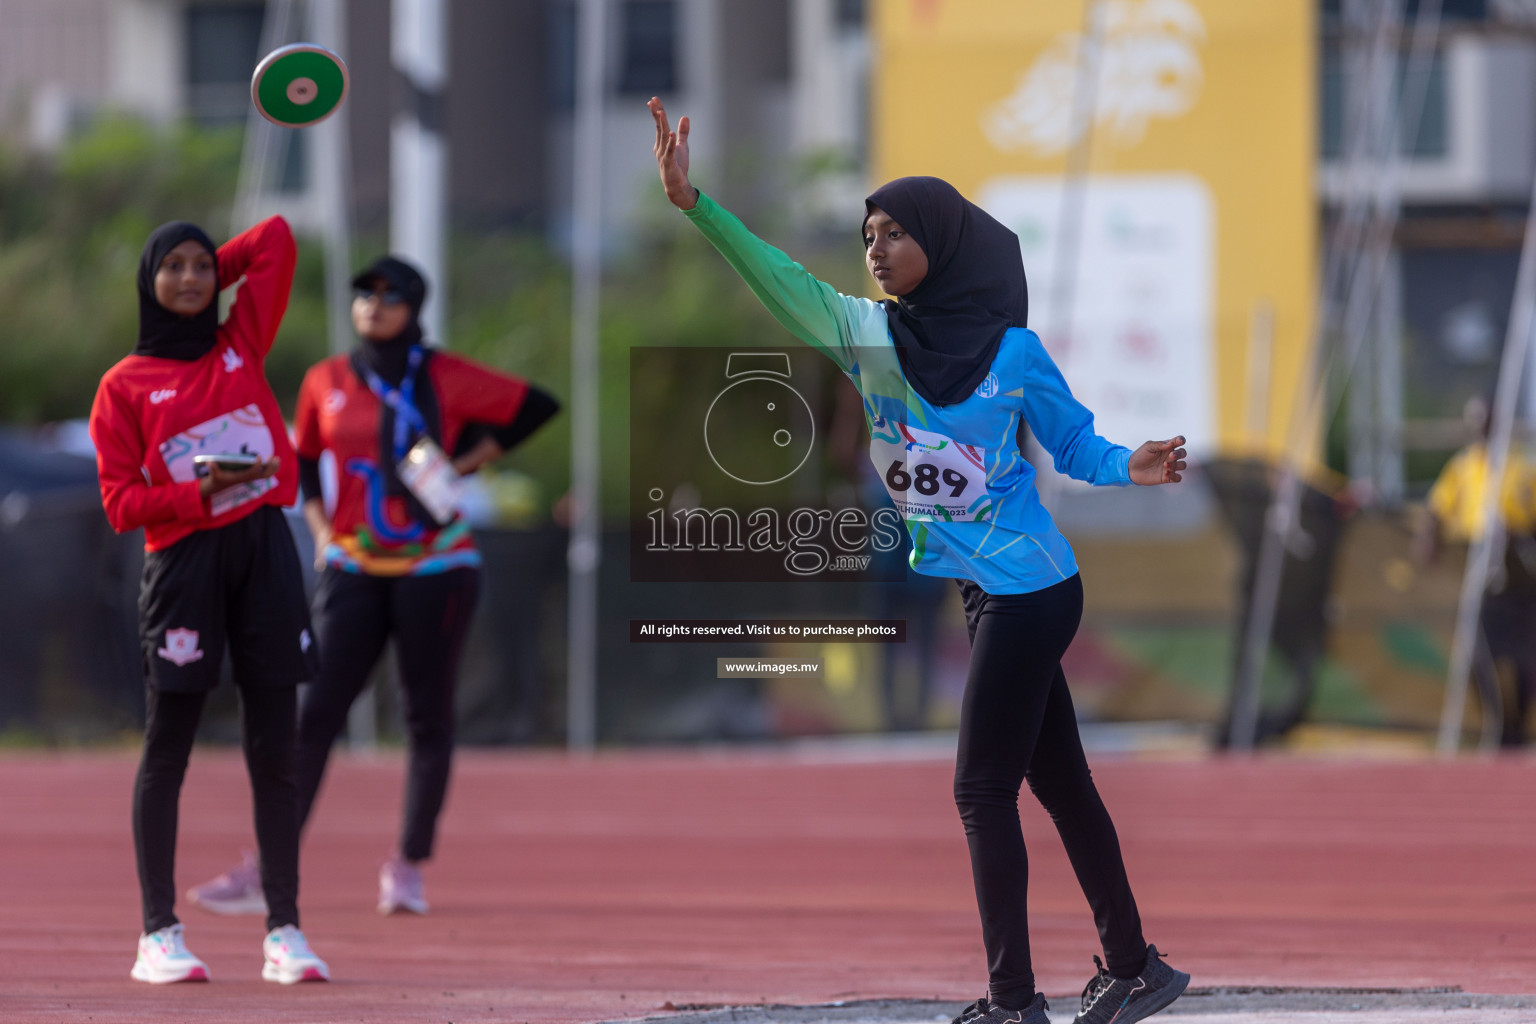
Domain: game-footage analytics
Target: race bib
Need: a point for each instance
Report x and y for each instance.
(930, 477)
(244, 431)
(428, 474)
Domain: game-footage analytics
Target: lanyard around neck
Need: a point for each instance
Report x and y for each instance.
(408, 419)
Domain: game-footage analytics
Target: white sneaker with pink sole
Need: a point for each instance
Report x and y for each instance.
(288, 958)
(164, 959)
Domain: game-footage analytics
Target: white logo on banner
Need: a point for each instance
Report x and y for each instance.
(1148, 66)
(180, 647)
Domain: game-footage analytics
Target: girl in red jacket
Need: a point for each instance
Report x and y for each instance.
(191, 447)
(397, 560)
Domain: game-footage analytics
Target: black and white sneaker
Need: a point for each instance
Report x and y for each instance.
(1111, 1000)
(983, 1012)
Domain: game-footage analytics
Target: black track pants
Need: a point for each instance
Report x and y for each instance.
(1017, 724)
(267, 737)
(354, 616)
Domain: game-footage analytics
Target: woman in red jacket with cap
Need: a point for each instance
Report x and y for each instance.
(191, 447)
(382, 433)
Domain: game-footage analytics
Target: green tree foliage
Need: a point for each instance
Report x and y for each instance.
(72, 227)
(71, 231)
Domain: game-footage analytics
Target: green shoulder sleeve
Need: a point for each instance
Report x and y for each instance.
(811, 310)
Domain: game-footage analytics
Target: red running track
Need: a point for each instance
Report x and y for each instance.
(591, 890)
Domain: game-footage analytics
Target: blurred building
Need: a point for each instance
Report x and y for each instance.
(766, 83)
(1464, 182)
(778, 92)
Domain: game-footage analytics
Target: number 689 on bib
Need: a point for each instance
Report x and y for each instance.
(930, 476)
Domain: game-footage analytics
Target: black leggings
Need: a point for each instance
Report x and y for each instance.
(354, 616)
(1017, 724)
(267, 737)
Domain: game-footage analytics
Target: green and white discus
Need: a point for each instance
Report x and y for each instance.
(299, 84)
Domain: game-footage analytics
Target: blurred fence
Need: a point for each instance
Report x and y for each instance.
(1370, 630)
(68, 637)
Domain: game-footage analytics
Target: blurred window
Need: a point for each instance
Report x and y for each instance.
(562, 56)
(1464, 10)
(650, 47)
(223, 48)
(772, 39)
(294, 176)
(1433, 134)
(1461, 10)
(223, 40)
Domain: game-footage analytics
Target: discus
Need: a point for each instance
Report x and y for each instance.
(299, 84)
(230, 462)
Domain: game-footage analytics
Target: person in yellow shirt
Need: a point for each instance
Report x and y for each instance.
(1455, 515)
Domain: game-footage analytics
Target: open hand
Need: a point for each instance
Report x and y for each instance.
(672, 157)
(222, 479)
(1159, 462)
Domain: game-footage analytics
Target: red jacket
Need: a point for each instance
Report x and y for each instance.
(152, 415)
(337, 415)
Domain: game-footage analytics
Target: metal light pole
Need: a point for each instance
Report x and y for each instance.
(1074, 182)
(1489, 544)
(333, 195)
(585, 551)
(418, 153)
(333, 174)
(266, 145)
(1074, 201)
(1355, 268)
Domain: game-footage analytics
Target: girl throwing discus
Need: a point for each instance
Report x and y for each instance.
(191, 447)
(947, 370)
(383, 434)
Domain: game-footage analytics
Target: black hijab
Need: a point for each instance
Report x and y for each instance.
(163, 333)
(389, 360)
(948, 328)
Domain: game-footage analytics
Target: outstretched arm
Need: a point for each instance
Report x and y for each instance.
(1065, 427)
(811, 310)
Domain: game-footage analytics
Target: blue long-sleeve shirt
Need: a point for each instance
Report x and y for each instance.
(966, 494)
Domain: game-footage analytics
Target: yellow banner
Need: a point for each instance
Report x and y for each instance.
(1190, 233)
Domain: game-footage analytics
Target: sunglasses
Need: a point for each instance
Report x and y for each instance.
(388, 296)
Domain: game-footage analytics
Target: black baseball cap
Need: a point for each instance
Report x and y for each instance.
(399, 275)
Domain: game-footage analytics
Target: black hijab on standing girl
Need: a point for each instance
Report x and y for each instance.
(163, 333)
(947, 330)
